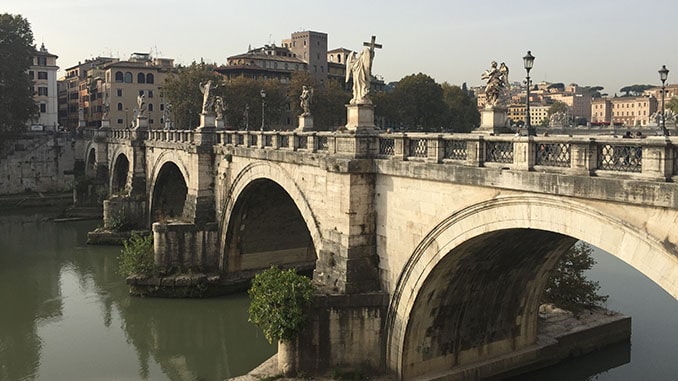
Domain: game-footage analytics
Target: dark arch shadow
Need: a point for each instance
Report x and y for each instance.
(169, 194)
(266, 228)
(120, 174)
(481, 300)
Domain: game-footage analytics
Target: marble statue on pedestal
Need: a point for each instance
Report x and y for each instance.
(207, 97)
(305, 100)
(360, 68)
(497, 84)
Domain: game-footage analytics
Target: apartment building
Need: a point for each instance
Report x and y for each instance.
(121, 82)
(627, 111)
(43, 72)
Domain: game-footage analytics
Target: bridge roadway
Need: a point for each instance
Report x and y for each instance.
(432, 250)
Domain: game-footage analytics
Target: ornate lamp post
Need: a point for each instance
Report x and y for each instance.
(263, 102)
(528, 61)
(663, 74)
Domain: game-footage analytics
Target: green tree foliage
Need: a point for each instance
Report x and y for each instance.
(17, 106)
(417, 102)
(245, 93)
(328, 105)
(462, 109)
(635, 90)
(558, 106)
(568, 287)
(137, 256)
(182, 91)
(280, 300)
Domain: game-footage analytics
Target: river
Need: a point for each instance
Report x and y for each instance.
(66, 315)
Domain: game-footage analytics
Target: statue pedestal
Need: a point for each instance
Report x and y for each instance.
(207, 121)
(305, 123)
(219, 123)
(360, 119)
(141, 123)
(105, 124)
(493, 120)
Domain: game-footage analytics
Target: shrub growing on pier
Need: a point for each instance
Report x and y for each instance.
(137, 256)
(568, 287)
(280, 300)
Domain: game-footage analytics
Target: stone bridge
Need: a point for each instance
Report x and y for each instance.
(431, 250)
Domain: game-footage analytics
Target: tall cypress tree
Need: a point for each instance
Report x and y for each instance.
(17, 106)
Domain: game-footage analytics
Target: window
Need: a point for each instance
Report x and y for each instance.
(43, 107)
(149, 78)
(150, 93)
(162, 107)
(150, 121)
(141, 92)
(118, 77)
(42, 75)
(119, 92)
(141, 78)
(150, 107)
(42, 91)
(119, 106)
(42, 61)
(128, 77)
(31, 74)
(119, 121)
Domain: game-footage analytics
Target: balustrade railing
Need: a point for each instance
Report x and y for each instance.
(456, 149)
(553, 155)
(579, 154)
(499, 152)
(418, 147)
(621, 158)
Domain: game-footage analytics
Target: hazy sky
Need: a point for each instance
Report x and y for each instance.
(611, 43)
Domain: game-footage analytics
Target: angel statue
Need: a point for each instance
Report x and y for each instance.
(219, 106)
(497, 83)
(141, 106)
(207, 98)
(305, 100)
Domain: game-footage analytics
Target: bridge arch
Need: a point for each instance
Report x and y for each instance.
(426, 329)
(90, 161)
(277, 184)
(120, 174)
(169, 188)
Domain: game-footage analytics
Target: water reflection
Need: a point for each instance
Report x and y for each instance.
(67, 316)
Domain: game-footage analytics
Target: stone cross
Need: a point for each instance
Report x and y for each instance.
(372, 44)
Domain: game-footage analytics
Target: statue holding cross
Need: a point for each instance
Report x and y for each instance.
(360, 67)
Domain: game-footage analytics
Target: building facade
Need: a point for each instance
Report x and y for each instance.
(625, 111)
(124, 81)
(43, 72)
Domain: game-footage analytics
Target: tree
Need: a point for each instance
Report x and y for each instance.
(279, 303)
(416, 102)
(182, 91)
(635, 90)
(462, 112)
(17, 106)
(568, 287)
(558, 106)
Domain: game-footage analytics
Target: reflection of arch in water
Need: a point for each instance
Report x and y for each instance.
(120, 175)
(168, 193)
(472, 287)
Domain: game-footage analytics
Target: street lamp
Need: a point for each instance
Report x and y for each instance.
(263, 103)
(528, 61)
(663, 74)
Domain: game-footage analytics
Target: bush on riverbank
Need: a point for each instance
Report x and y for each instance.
(137, 256)
(280, 300)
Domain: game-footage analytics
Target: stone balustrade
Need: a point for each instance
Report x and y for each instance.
(651, 158)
